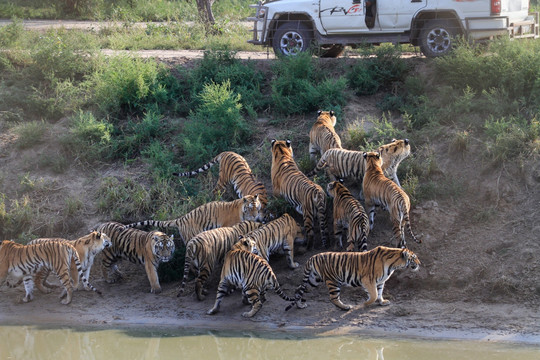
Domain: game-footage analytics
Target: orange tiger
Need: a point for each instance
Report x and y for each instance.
(210, 216)
(381, 191)
(249, 272)
(278, 236)
(87, 246)
(233, 169)
(307, 197)
(349, 215)
(26, 260)
(369, 269)
(136, 246)
(207, 249)
(322, 135)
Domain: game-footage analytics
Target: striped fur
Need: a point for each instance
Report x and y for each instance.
(26, 260)
(381, 191)
(207, 249)
(137, 246)
(251, 273)
(349, 164)
(210, 216)
(322, 135)
(349, 215)
(278, 237)
(233, 169)
(368, 269)
(307, 197)
(87, 246)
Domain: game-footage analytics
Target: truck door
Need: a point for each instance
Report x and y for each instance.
(343, 16)
(396, 15)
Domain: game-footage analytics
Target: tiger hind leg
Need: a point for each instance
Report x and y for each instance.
(335, 292)
(41, 282)
(254, 299)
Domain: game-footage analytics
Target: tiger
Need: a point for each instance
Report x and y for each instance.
(349, 215)
(137, 246)
(322, 135)
(307, 197)
(87, 246)
(207, 249)
(250, 272)
(368, 269)
(210, 216)
(349, 164)
(381, 191)
(26, 260)
(233, 169)
(278, 236)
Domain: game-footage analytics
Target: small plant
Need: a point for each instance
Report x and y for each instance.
(461, 141)
(30, 134)
(88, 138)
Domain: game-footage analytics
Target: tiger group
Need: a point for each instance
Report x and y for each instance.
(239, 235)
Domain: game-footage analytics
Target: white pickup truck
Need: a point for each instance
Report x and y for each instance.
(293, 26)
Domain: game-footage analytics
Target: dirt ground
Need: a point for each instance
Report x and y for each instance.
(479, 277)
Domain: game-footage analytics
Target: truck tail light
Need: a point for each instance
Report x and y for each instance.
(495, 7)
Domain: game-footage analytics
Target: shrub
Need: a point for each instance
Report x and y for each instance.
(216, 125)
(88, 138)
(30, 134)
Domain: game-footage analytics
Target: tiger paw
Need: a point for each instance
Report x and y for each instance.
(155, 291)
(384, 302)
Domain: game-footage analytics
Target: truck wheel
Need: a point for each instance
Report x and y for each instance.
(437, 38)
(291, 38)
(331, 51)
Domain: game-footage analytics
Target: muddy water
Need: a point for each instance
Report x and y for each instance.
(27, 342)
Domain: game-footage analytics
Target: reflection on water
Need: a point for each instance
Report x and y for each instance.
(28, 342)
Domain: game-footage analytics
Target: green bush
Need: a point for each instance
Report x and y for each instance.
(510, 137)
(215, 126)
(30, 134)
(88, 139)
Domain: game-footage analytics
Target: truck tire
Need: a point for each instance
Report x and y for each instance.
(437, 38)
(291, 38)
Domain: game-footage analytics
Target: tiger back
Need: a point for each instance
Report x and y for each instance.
(307, 197)
(136, 246)
(207, 249)
(234, 170)
(322, 135)
(26, 260)
(370, 269)
(251, 273)
(87, 246)
(210, 216)
(278, 236)
(349, 215)
(381, 191)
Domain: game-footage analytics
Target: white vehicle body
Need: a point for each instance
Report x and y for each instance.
(290, 26)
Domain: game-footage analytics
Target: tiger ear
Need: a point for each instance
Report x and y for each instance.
(365, 155)
(377, 155)
(273, 141)
(332, 113)
(288, 142)
(319, 112)
(406, 141)
(341, 181)
(394, 140)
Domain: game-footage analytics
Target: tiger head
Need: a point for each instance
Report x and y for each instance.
(162, 246)
(97, 241)
(252, 208)
(396, 150)
(327, 117)
(410, 259)
(334, 188)
(281, 148)
(372, 159)
(245, 243)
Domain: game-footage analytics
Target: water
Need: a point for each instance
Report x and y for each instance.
(29, 342)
